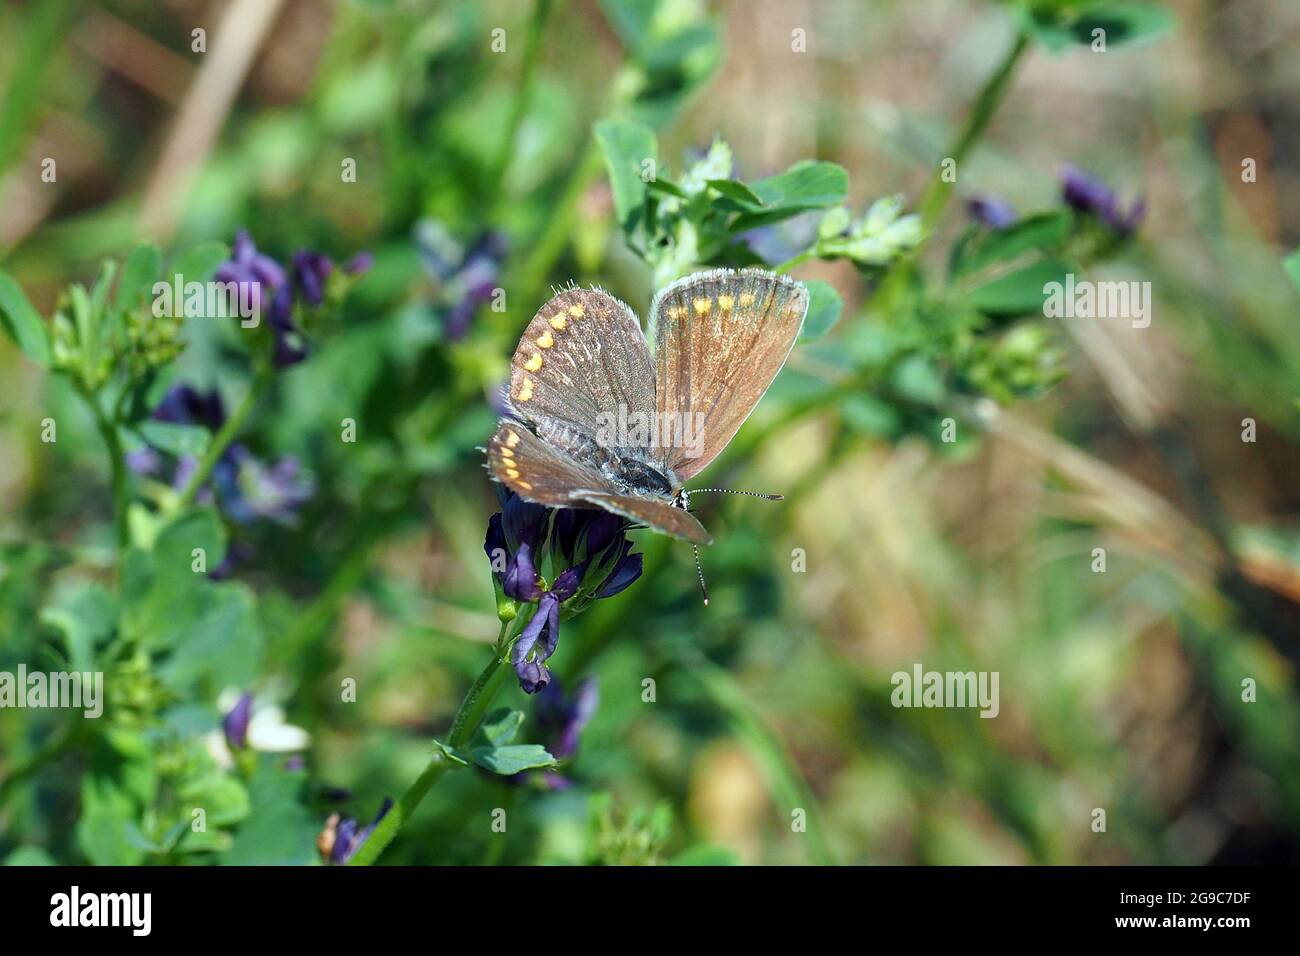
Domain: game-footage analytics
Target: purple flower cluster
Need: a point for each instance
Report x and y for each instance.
(992, 211)
(304, 281)
(592, 548)
(467, 276)
(1092, 197)
(247, 488)
(561, 718)
(343, 836)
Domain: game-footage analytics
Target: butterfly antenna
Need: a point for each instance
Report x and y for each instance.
(699, 570)
(732, 491)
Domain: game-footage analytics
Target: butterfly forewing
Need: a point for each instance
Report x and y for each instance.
(582, 359)
(539, 472)
(534, 469)
(721, 337)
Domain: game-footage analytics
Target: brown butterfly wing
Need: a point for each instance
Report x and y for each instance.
(539, 472)
(661, 515)
(582, 356)
(720, 339)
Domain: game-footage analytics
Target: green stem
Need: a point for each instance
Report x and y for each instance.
(939, 192)
(107, 428)
(221, 441)
(121, 494)
(401, 811)
(480, 693)
(468, 716)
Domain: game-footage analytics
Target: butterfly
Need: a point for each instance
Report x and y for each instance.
(595, 420)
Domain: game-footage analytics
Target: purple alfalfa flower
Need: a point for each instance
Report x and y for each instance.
(305, 280)
(183, 405)
(562, 717)
(589, 544)
(247, 266)
(1088, 195)
(343, 836)
(580, 532)
(467, 277)
(626, 569)
(359, 263)
(482, 265)
(250, 490)
(513, 536)
(289, 345)
(540, 637)
(311, 270)
(235, 723)
(992, 211)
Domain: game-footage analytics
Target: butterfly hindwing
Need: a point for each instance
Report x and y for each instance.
(720, 339)
(582, 357)
(659, 514)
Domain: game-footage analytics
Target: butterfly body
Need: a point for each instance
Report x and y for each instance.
(596, 421)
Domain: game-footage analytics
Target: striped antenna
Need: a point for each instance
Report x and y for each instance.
(731, 491)
(699, 570)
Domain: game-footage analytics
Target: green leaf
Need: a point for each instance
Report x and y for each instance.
(163, 596)
(626, 146)
(985, 248)
(824, 308)
(23, 323)
(224, 799)
(1291, 265)
(810, 184)
(102, 829)
(735, 189)
(222, 644)
(807, 185)
(99, 291)
(668, 187)
(280, 831)
(512, 759)
(1124, 24)
(84, 618)
(499, 727)
(1020, 292)
(449, 753)
(138, 276)
(199, 528)
(176, 439)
